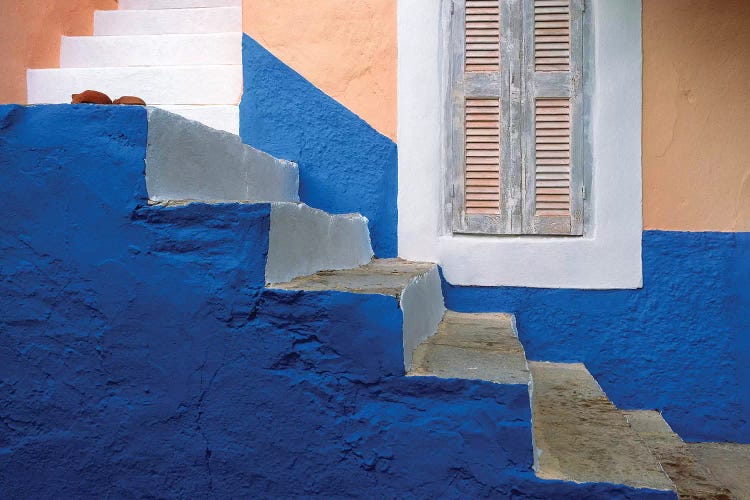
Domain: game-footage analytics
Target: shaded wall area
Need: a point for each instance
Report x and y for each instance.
(30, 32)
(696, 110)
(679, 344)
(140, 355)
(344, 164)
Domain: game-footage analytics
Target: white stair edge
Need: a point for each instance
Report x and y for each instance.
(305, 240)
(189, 161)
(423, 308)
(220, 84)
(167, 21)
(176, 4)
(151, 50)
(220, 117)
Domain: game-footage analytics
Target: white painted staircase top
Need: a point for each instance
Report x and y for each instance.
(168, 21)
(176, 4)
(151, 50)
(181, 55)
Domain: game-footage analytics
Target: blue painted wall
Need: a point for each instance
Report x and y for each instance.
(679, 344)
(140, 355)
(345, 165)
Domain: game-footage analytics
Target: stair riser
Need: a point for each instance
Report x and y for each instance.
(176, 4)
(423, 307)
(155, 85)
(151, 50)
(188, 161)
(304, 241)
(158, 22)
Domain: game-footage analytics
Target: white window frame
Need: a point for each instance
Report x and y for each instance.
(609, 254)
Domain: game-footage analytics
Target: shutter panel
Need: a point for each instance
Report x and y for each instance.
(552, 117)
(484, 184)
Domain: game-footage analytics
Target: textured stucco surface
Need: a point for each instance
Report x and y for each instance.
(187, 160)
(344, 164)
(679, 345)
(346, 48)
(696, 110)
(30, 32)
(140, 355)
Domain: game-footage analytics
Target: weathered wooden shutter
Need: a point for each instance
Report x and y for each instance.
(484, 186)
(552, 134)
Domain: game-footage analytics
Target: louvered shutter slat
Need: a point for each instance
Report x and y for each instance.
(552, 117)
(485, 194)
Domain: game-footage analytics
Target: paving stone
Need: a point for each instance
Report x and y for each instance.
(692, 479)
(729, 463)
(473, 346)
(579, 435)
(380, 276)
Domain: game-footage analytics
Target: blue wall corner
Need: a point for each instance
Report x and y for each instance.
(345, 165)
(679, 344)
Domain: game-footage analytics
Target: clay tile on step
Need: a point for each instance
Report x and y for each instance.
(130, 100)
(91, 97)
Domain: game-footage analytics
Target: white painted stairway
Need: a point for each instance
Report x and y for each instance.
(181, 55)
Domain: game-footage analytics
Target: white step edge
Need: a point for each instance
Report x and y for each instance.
(188, 161)
(167, 21)
(221, 84)
(423, 308)
(176, 4)
(305, 240)
(220, 117)
(151, 50)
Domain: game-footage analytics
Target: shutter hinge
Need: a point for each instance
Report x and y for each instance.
(583, 192)
(583, 5)
(453, 7)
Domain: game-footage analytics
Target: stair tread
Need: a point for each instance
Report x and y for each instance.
(176, 4)
(579, 434)
(692, 479)
(473, 346)
(728, 462)
(168, 21)
(379, 276)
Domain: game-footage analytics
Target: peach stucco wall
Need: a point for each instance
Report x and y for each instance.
(346, 48)
(696, 115)
(30, 33)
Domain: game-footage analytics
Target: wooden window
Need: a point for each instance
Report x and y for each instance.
(515, 142)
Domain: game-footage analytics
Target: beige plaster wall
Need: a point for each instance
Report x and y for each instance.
(346, 48)
(30, 33)
(696, 115)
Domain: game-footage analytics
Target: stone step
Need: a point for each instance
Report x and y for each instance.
(151, 50)
(186, 160)
(168, 21)
(220, 117)
(579, 435)
(221, 84)
(692, 479)
(305, 240)
(176, 4)
(729, 463)
(473, 346)
(416, 285)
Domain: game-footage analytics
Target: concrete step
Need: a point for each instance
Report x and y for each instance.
(416, 285)
(579, 435)
(220, 84)
(690, 476)
(226, 118)
(151, 50)
(168, 21)
(729, 463)
(473, 346)
(176, 4)
(306, 240)
(186, 160)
